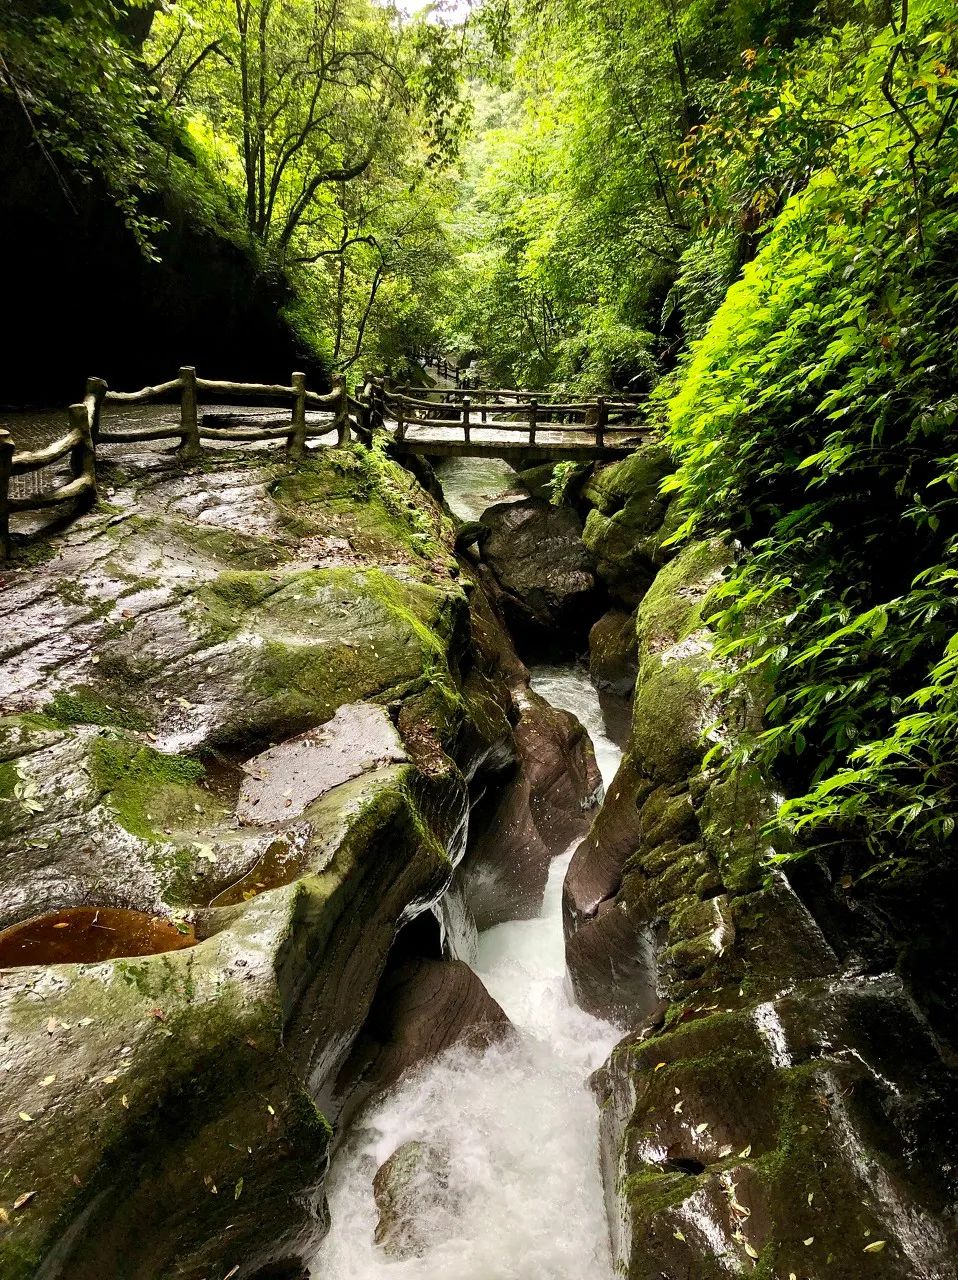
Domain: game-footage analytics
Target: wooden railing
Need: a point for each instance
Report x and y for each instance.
(498, 410)
(443, 368)
(88, 430)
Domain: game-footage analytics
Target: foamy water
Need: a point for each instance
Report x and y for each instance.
(517, 1120)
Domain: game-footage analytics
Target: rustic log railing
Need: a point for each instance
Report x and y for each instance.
(499, 410)
(443, 368)
(88, 430)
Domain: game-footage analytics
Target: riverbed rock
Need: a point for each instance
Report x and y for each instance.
(623, 527)
(545, 574)
(423, 1006)
(614, 652)
(780, 1107)
(162, 1110)
(413, 1184)
(529, 817)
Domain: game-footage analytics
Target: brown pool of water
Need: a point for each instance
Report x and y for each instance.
(86, 935)
(281, 863)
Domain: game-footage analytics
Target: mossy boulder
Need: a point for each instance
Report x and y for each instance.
(614, 652)
(763, 1118)
(623, 525)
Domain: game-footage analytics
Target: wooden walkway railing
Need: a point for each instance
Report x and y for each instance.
(505, 410)
(442, 367)
(78, 447)
(378, 406)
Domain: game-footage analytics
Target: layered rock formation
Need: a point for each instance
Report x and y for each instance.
(778, 1110)
(247, 702)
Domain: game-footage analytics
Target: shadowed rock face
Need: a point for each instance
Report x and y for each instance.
(613, 652)
(545, 574)
(782, 1106)
(530, 817)
(164, 1108)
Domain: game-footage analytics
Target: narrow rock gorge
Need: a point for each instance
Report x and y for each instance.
(290, 837)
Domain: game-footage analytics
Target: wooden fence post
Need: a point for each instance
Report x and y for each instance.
(96, 389)
(533, 420)
(190, 448)
(601, 418)
(342, 411)
(377, 418)
(7, 448)
(466, 414)
(296, 440)
(83, 455)
(400, 421)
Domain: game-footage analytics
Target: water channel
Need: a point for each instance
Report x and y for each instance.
(521, 1196)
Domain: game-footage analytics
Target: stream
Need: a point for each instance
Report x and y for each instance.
(521, 1195)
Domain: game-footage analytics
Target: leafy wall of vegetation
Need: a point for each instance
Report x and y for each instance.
(815, 423)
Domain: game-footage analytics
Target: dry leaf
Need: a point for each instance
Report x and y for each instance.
(47, 1080)
(700, 1128)
(746, 1153)
(807, 1242)
(752, 1253)
(660, 1065)
(124, 1102)
(876, 1246)
(23, 1116)
(678, 1235)
(22, 1200)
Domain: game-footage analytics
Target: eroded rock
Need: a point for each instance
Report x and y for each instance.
(415, 1177)
(281, 782)
(545, 573)
(162, 1108)
(776, 1110)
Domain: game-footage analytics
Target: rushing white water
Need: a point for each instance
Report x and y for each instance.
(524, 1200)
(569, 687)
(472, 484)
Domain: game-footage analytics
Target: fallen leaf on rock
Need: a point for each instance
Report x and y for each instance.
(22, 1200)
(23, 1116)
(238, 1190)
(746, 1153)
(700, 1128)
(47, 1080)
(876, 1246)
(4, 1216)
(807, 1242)
(678, 1234)
(752, 1252)
(660, 1065)
(124, 1101)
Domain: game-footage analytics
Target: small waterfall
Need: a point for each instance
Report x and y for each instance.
(517, 1121)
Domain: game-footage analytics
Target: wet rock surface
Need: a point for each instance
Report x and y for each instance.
(783, 1107)
(161, 1109)
(422, 1007)
(414, 1173)
(282, 781)
(544, 572)
(613, 653)
(531, 815)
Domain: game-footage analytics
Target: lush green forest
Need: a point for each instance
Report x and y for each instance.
(748, 210)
